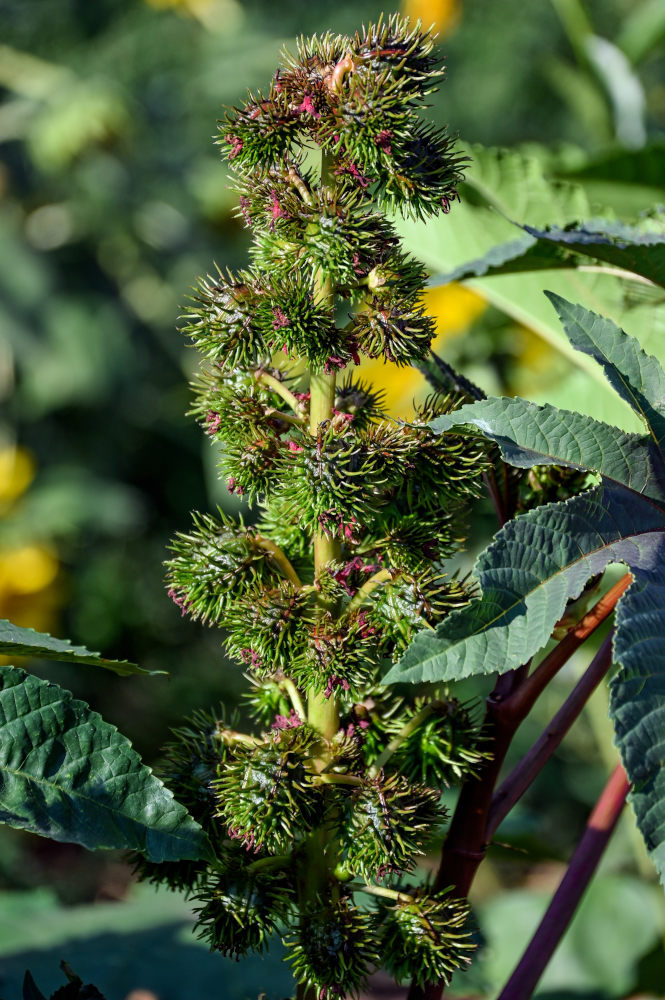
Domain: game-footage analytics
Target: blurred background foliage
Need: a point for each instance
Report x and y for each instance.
(112, 202)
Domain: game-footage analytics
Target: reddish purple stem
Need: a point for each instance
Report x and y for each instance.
(582, 865)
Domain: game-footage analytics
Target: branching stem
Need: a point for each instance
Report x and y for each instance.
(368, 586)
(380, 890)
(331, 778)
(280, 389)
(232, 736)
(582, 865)
(279, 559)
(521, 778)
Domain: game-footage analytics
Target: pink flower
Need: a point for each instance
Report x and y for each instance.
(179, 599)
(293, 447)
(280, 319)
(277, 210)
(333, 682)
(291, 721)
(236, 146)
(213, 420)
(382, 140)
(308, 106)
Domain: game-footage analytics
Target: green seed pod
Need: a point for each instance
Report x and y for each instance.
(334, 949)
(388, 821)
(216, 564)
(444, 748)
(425, 937)
(269, 629)
(240, 910)
(265, 793)
(221, 323)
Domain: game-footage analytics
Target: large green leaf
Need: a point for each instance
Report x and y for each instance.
(68, 775)
(634, 375)
(637, 702)
(17, 641)
(536, 564)
(541, 560)
(631, 248)
(529, 434)
(503, 188)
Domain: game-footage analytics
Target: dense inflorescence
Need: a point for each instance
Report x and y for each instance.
(338, 792)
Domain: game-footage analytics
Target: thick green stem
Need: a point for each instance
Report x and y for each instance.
(322, 712)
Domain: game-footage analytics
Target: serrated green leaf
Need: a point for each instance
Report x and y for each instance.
(529, 435)
(637, 703)
(68, 775)
(17, 641)
(627, 247)
(536, 564)
(633, 374)
(516, 186)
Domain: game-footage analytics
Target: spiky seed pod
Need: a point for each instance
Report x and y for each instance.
(444, 748)
(269, 628)
(547, 483)
(332, 234)
(410, 542)
(425, 173)
(442, 462)
(217, 563)
(267, 701)
(220, 323)
(265, 793)
(240, 910)
(334, 949)
(400, 608)
(427, 938)
(342, 478)
(250, 409)
(261, 134)
(359, 402)
(387, 822)
(340, 657)
(397, 330)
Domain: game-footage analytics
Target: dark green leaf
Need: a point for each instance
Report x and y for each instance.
(633, 374)
(526, 253)
(637, 702)
(630, 248)
(536, 564)
(68, 775)
(529, 434)
(16, 641)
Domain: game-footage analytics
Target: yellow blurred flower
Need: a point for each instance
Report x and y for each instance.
(17, 470)
(454, 308)
(27, 570)
(443, 14)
